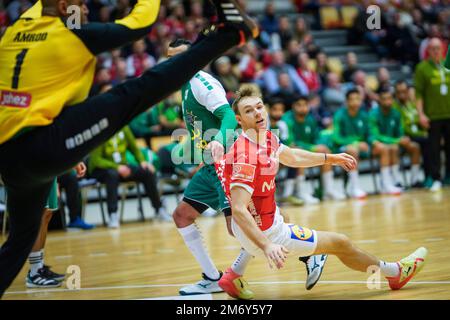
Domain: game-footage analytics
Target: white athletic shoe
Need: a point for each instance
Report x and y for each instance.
(436, 186)
(391, 190)
(334, 195)
(356, 193)
(308, 199)
(163, 215)
(314, 267)
(202, 287)
(114, 222)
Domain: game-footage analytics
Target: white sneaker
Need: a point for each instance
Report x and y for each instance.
(356, 193)
(334, 195)
(436, 186)
(114, 222)
(202, 287)
(314, 267)
(391, 190)
(163, 215)
(308, 199)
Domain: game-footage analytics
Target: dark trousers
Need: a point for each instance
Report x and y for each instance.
(439, 129)
(111, 178)
(69, 183)
(30, 162)
(425, 150)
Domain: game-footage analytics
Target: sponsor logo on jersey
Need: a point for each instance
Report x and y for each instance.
(30, 37)
(300, 233)
(268, 186)
(243, 171)
(15, 99)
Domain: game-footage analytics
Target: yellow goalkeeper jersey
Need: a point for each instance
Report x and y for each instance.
(46, 66)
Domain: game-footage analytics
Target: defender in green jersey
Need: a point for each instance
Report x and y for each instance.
(207, 115)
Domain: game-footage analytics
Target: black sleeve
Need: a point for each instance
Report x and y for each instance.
(101, 37)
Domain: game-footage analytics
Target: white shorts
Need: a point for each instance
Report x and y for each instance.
(298, 240)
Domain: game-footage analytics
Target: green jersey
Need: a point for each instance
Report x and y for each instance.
(349, 129)
(206, 112)
(303, 134)
(432, 83)
(410, 119)
(112, 153)
(385, 127)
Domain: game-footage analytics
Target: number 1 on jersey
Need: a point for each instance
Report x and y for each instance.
(17, 68)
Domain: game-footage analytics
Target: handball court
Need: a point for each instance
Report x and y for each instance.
(150, 261)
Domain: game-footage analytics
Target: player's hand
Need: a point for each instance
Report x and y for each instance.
(344, 160)
(148, 166)
(124, 171)
(217, 150)
(80, 168)
(276, 255)
(424, 121)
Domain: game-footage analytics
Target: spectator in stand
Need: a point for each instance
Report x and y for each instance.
(400, 42)
(384, 79)
(120, 75)
(102, 77)
(333, 95)
(140, 60)
(286, 91)
(300, 29)
(94, 7)
(249, 67)
(434, 32)
(322, 67)
(309, 76)
(16, 8)
(359, 83)
(293, 50)
(270, 77)
(269, 22)
(413, 128)
(351, 66)
(432, 82)
(284, 31)
(190, 30)
(227, 76)
(121, 10)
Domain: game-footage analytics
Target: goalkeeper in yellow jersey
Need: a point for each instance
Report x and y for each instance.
(46, 69)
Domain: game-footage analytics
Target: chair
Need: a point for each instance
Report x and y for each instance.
(329, 17)
(349, 14)
(126, 186)
(85, 186)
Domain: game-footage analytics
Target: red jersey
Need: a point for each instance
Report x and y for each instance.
(253, 167)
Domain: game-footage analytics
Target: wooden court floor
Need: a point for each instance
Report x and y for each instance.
(149, 260)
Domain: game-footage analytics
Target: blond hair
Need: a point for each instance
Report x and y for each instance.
(245, 91)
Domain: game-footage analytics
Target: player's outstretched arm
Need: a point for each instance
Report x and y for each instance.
(101, 37)
(298, 158)
(240, 198)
